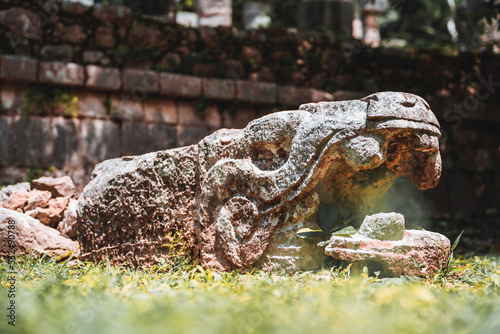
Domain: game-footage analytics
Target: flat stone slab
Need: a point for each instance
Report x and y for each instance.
(418, 253)
(23, 234)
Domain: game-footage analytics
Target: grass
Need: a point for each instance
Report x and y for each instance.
(87, 298)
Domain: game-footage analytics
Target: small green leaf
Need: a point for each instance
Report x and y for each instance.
(343, 211)
(456, 241)
(308, 233)
(347, 230)
(327, 215)
(323, 243)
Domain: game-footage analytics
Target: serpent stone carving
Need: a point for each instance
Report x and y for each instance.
(238, 197)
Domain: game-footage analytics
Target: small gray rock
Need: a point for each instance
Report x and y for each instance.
(383, 226)
(59, 187)
(9, 190)
(67, 226)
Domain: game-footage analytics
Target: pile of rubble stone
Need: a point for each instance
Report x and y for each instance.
(39, 217)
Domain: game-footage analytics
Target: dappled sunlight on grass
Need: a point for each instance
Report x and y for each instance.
(87, 298)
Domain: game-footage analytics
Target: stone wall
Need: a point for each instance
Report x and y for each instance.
(69, 117)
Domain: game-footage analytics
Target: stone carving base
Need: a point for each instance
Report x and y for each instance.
(395, 253)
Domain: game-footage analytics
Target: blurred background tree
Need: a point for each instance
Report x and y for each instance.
(415, 24)
(421, 23)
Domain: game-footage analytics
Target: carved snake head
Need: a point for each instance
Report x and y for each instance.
(413, 143)
(372, 142)
(346, 153)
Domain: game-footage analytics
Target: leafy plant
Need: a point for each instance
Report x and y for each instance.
(328, 215)
(108, 106)
(180, 257)
(34, 172)
(49, 99)
(455, 244)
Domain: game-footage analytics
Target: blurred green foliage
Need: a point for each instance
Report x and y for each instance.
(80, 297)
(46, 100)
(422, 23)
(285, 13)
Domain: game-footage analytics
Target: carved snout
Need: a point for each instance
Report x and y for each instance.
(416, 156)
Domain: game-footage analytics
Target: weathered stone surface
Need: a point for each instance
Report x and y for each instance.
(140, 82)
(22, 22)
(74, 34)
(418, 253)
(33, 135)
(241, 195)
(240, 119)
(62, 52)
(162, 137)
(70, 74)
(294, 96)
(383, 226)
(3, 198)
(257, 92)
(219, 89)
(127, 109)
(103, 78)
(113, 14)
(180, 85)
(135, 138)
(52, 214)
(17, 201)
(58, 187)
(143, 37)
(15, 187)
(6, 144)
(250, 53)
(100, 141)
(189, 134)
(11, 96)
(104, 37)
(163, 111)
(66, 145)
(74, 8)
(67, 226)
(189, 116)
(95, 57)
(37, 199)
(91, 105)
(18, 68)
(265, 74)
(32, 236)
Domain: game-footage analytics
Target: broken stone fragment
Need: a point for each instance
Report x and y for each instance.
(383, 245)
(25, 234)
(59, 187)
(67, 226)
(383, 226)
(3, 197)
(37, 199)
(9, 190)
(52, 214)
(17, 200)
